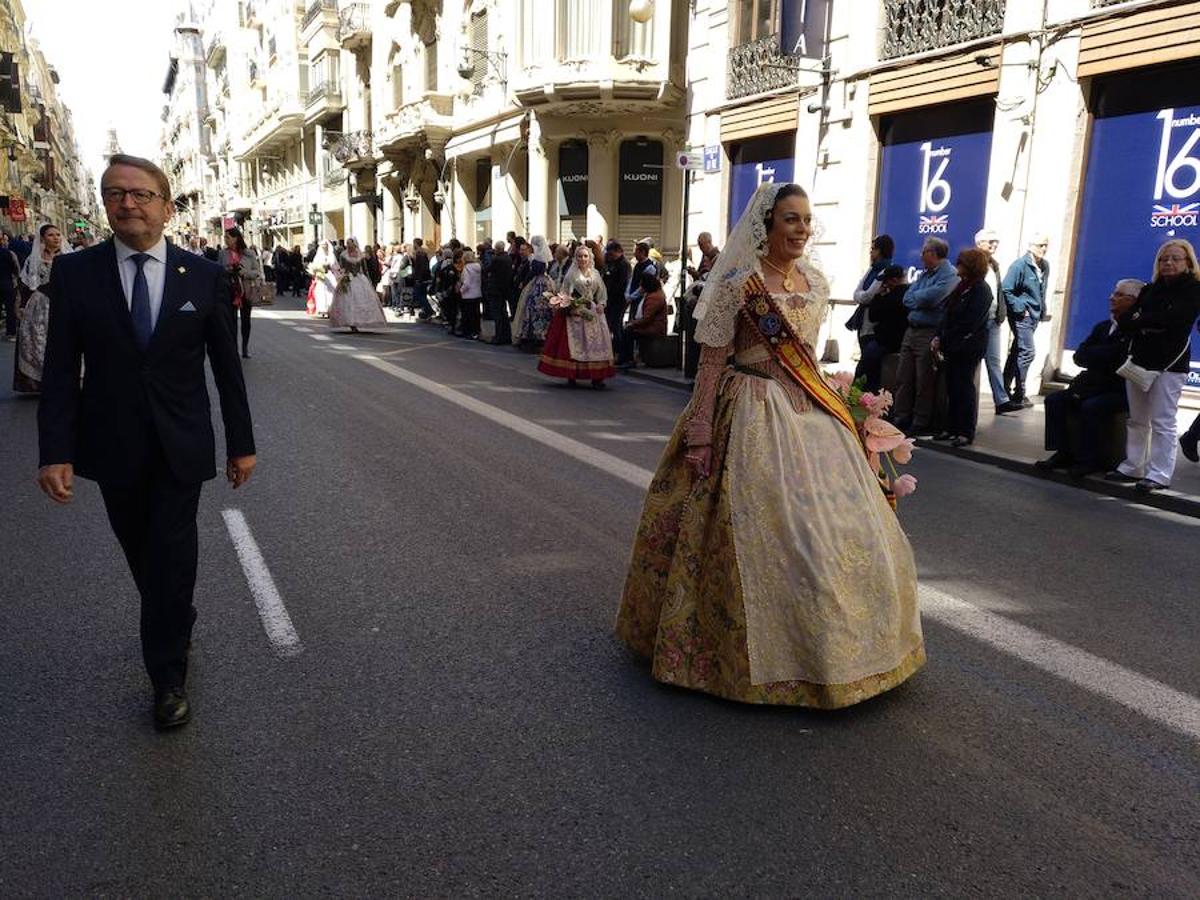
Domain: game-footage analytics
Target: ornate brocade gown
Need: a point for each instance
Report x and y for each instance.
(784, 577)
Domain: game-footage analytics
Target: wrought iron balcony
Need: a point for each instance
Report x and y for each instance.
(758, 66)
(352, 148)
(915, 26)
(354, 25)
(314, 11)
(327, 91)
(334, 177)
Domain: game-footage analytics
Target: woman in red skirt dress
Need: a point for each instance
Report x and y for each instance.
(578, 343)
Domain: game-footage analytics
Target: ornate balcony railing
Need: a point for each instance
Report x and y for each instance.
(352, 147)
(915, 26)
(1107, 2)
(758, 66)
(329, 91)
(354, 24)
(334, 177)
(314, 11)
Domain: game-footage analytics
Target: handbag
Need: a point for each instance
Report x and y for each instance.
(1143, 379)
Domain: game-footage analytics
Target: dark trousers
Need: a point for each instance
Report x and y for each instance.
(421, 297)
(870, 362)
(10, 313)
(622, 345)
(963, 397)
(469, 321)
(916, 379)
(450, 310)
(155, 522)
(1094, 413)
(244, 315)
(1194, 429)
(1020, 355)
(501, 316)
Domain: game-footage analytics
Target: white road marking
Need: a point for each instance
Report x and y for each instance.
(1145, 696)
(606, 462)
(275, 619)
(320, 337)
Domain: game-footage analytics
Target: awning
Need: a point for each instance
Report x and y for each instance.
(934, 82)
(478, 140)
(764, 117)
(1146, 38)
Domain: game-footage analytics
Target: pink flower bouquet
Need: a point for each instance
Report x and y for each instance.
(886, 444)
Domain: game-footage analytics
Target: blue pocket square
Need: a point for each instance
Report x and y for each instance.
(187, 307)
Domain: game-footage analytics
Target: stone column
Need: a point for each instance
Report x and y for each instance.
(672, 214)
(602, 183)
(541, 187)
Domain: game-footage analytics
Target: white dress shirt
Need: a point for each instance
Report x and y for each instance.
(155, 269)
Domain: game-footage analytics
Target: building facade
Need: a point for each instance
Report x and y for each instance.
(1078, 119)
(393, 119)
(42, 178)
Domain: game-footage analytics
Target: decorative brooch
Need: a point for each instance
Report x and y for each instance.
(181, 270)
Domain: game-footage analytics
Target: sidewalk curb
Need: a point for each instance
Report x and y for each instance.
(1168, 500)
(652, 375)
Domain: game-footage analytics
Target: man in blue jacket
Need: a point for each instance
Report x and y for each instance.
(916, 376)
(1024, 290)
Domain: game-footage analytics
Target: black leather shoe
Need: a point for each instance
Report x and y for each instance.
(1058, 460)
(1188, 444)
(1010, 406)
(171, 709)
(961, 440)
(1148, 486)
(1120, 477)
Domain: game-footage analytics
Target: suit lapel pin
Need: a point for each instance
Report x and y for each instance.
(181, 269)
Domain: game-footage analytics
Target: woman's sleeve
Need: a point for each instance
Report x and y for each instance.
(699, 428)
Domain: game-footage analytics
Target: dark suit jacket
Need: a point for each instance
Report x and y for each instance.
(1100, 355)
(890, 317)
(500, 277)
(130, 399)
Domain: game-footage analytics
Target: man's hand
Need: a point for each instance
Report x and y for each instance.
(238, 469)
(57, 481)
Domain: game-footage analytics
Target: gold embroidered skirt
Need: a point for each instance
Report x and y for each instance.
(784, 577)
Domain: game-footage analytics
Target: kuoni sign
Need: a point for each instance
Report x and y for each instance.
(933, 184)
(1142, 187)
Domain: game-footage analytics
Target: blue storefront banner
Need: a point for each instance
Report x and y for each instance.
(1141, 188)
(933, 186)
(755, 162)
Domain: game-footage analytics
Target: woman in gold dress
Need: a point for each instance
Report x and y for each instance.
(769, 565)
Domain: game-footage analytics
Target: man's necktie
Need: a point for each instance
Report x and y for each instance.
(143, 325)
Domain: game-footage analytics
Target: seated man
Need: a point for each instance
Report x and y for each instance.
(1095, 394)
(651, 316)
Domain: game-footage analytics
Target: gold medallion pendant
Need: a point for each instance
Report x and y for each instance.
(788, 274)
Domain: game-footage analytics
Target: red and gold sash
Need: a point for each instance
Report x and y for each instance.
(789, 350)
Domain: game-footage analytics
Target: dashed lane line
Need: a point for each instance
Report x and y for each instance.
(275, 619)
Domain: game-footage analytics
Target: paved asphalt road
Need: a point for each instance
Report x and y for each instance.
(461, 722)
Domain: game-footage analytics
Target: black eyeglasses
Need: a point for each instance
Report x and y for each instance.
(116, 196)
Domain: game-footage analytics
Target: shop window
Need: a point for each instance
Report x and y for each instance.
(483, 200)
(572, 189)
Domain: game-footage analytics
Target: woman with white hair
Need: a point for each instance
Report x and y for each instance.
(532, 318)
(1160, 324)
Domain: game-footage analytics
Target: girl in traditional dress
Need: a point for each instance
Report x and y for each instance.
(769, 566)
(355, 304)
(578, 342)
(244, 270)
(324, 269)
(35, 310)
(532, 318)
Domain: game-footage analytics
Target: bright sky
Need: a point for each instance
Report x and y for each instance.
(111, 58)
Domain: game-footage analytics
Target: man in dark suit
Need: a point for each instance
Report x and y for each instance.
(499, 291)
(140, 315)
(1095, 394)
